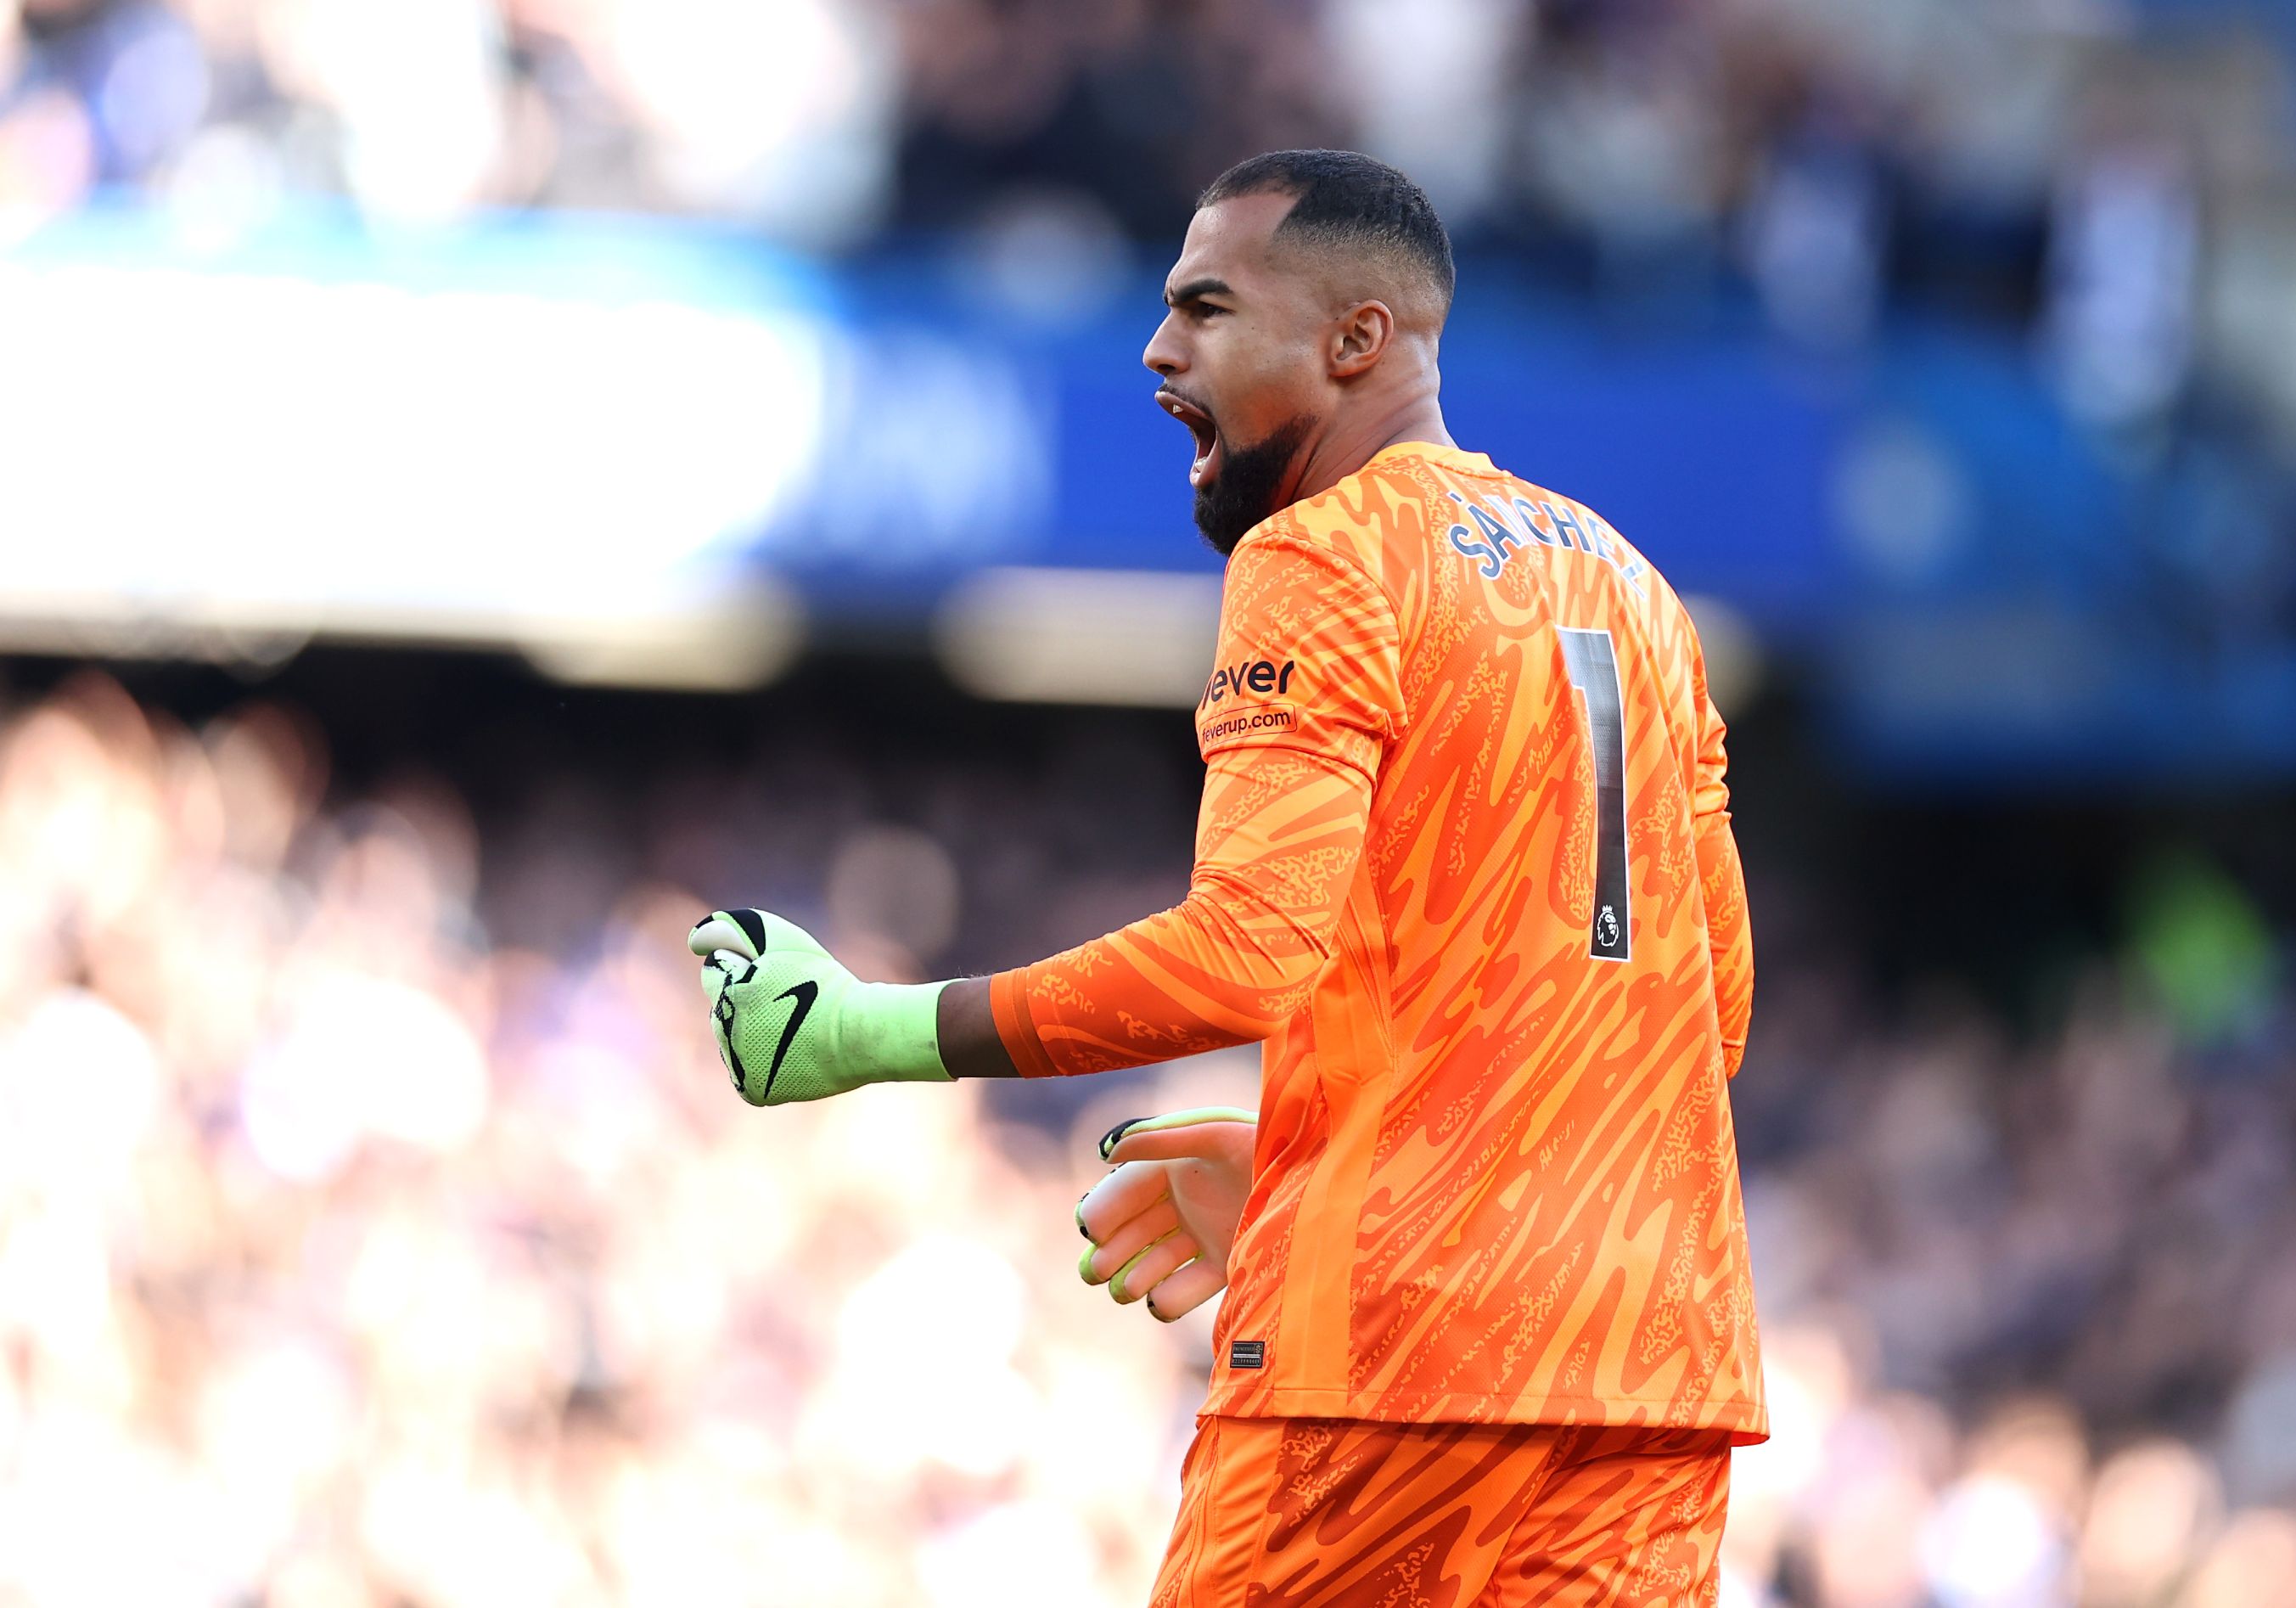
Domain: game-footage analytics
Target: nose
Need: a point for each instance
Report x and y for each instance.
(1163, 354)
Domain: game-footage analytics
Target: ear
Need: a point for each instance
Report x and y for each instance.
(1359, 336)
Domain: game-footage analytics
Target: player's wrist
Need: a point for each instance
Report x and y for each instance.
(892, 1030)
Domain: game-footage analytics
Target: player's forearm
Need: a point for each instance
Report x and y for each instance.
(970, 1044)
(972, 1047)
(1222, 968)
(1278, 842)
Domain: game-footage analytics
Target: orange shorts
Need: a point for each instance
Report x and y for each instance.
(1336, 1512)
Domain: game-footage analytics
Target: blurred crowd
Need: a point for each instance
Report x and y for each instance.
(377, 1229)
(347, 1257)
(2118, 188)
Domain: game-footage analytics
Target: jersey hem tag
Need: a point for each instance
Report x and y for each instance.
(1247, 1354)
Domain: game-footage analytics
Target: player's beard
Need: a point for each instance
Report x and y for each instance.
(1251, 479)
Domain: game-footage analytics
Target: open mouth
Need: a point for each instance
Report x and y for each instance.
(1201, 426)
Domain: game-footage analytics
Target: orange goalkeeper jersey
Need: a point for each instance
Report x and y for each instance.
(1465, 863)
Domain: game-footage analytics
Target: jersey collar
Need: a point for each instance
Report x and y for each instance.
(1448, 457)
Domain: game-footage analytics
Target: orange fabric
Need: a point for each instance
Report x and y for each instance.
(1465, 863)
(1287, 1512)
(1010, 1013)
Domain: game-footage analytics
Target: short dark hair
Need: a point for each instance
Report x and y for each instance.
(1344, 198)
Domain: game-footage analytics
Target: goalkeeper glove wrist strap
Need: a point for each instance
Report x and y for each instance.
(894, 1029)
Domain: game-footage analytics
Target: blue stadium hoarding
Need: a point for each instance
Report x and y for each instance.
(574, 413)
(578, 400)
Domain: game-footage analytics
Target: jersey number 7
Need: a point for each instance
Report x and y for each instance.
(1594, 669)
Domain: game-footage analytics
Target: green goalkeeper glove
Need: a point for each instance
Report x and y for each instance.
(792, 1024)
(1162, 1224)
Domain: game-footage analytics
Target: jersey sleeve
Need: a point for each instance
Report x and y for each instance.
(1293, 726)
(1722, 882)
(1309, 658)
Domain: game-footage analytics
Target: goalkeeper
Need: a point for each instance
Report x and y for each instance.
(1464, 869)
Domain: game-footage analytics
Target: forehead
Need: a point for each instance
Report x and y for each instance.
(1231, 240)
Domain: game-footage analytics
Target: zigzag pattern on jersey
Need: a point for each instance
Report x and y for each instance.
(1475, 1294)
(1498, 1178)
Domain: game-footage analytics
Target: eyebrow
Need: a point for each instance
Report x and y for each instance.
(1195, 290)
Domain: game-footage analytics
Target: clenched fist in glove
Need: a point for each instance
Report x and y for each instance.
(792, 1024)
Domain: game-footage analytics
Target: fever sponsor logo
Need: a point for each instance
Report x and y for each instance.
(1246, 678)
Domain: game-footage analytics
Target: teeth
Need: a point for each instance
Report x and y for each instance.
(1200, 426)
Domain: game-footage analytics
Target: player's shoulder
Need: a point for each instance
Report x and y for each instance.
(1554, 518)
(1520, 515)
(1420, 502)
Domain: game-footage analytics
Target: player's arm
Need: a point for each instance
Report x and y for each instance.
(1278, 837)
(970, 1044)
(1722, 882)
(1307, 695)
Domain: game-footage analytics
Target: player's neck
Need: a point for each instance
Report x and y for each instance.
(1349, 447)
